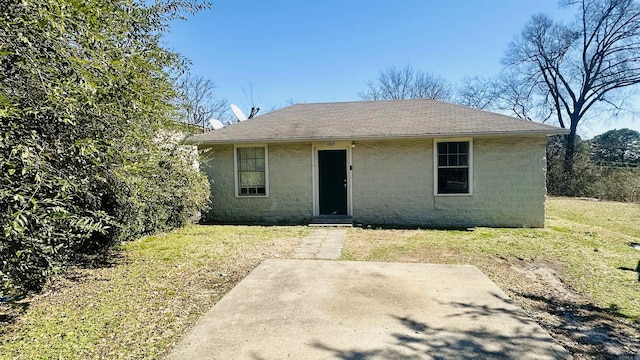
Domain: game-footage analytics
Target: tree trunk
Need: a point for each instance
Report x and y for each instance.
(570, 151)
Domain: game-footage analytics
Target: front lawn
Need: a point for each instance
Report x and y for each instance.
(578, 276)
(139, 305)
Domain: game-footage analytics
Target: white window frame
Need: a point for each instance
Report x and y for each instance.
(435, 165)
(266, 170)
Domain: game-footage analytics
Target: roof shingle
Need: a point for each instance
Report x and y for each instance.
(363, 120)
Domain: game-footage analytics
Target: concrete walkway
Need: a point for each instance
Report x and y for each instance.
(323, 243)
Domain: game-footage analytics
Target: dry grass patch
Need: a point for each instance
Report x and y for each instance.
(147, 298)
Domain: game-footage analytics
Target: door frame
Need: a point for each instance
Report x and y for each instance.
(330, 145)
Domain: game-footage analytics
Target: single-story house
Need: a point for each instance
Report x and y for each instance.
(402, 162)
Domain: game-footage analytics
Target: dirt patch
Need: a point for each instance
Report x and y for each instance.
(586, 330)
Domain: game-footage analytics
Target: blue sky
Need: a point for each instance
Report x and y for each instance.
(321, 51)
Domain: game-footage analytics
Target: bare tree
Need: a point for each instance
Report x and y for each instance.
(249, 95)
(406, 83)
(506, 93)
(252, 98)
(578, 69)
(478, 93)
(198, 103)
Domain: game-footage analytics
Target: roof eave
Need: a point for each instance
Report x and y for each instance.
(522, 133)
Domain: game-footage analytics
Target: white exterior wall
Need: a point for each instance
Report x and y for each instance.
(392, 183)
(290, 197)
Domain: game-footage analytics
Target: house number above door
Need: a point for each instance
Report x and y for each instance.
(331, 143)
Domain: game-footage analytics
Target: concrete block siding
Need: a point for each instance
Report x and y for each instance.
(290, 197)
(392, 183)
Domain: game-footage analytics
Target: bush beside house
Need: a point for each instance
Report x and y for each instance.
(85, 95)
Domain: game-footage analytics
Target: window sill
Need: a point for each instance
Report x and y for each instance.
(447, 195)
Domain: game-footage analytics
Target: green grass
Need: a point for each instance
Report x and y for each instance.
(158, 286)
(615, 216)
(585, 242)
(138, 307)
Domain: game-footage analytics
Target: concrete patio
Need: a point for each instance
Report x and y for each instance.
(314, 309)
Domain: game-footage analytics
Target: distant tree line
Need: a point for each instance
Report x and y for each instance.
(616, 148)
(606, 167)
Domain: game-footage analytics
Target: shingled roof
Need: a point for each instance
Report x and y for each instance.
(363, 120)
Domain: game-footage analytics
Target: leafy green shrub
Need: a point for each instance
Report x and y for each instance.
(47, 210)
(158, 195)
(85, 97)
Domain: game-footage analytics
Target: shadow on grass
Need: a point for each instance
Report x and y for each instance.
(12, 307)
(419, 340)
(410, 227)
(102, 259)
(636, 270)
(306, 222)
(11, 310)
